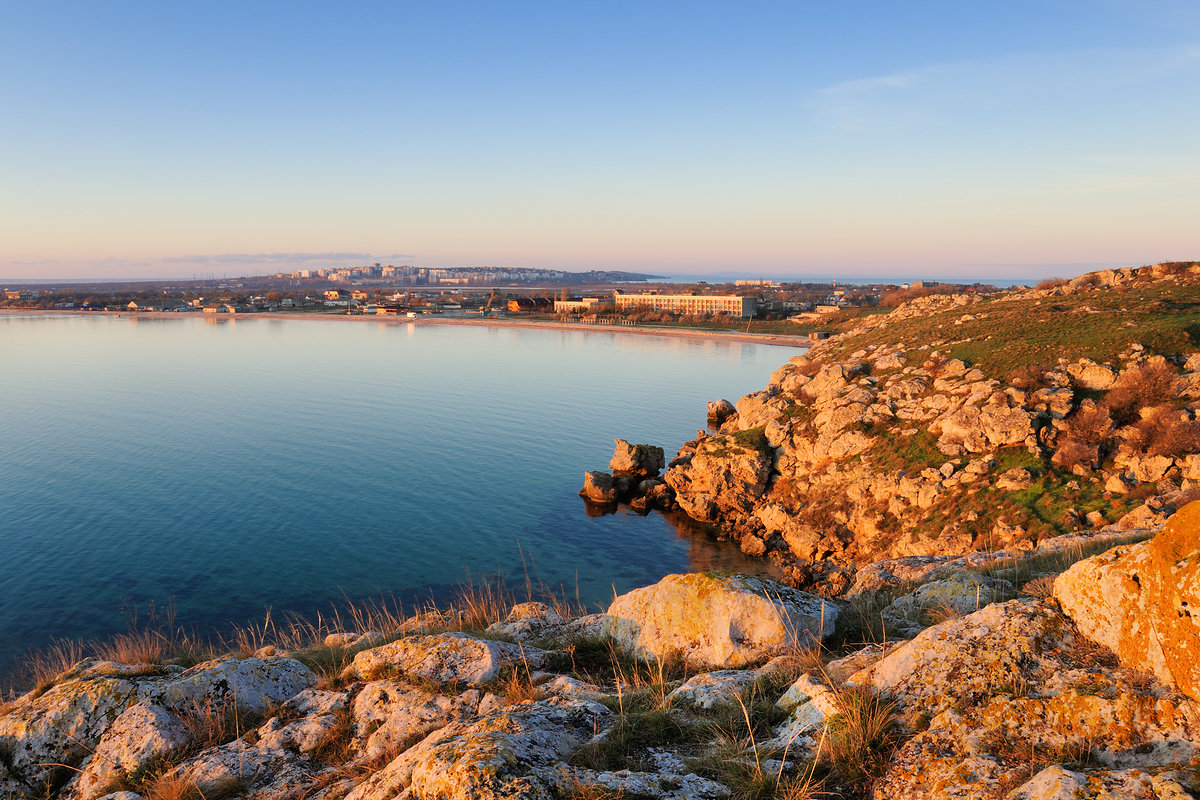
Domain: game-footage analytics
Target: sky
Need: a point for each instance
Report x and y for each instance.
(965, 140)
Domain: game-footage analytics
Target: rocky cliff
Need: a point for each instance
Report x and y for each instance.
(962, 423)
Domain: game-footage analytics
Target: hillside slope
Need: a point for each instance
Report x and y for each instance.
(962, 423)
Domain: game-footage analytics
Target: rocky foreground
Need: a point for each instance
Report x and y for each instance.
(1080, 684)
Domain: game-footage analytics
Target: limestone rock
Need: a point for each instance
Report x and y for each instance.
(528, 622)
(719, 411)
(140, 734)
(397, 715)
(1090, 375)
(251, 683)
(499, 756)
(725, 475)
(1143, 601)
(1014, 480)
(445, 658)
(598, 487)
(63, 725)
(710, 689)
(722, 620)
(967, 658)
(979, 430)
(641, 460)
(672, 782)
(1059, 783)
(811, 702)
(955, 596)
(828, 381)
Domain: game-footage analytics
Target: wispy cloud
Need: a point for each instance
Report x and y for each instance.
(266, 258)
(1016, 85)
(231, 264)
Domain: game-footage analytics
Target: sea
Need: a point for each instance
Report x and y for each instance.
(229, 469)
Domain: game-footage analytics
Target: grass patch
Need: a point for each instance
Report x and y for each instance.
(754, 439)
(624, 745)
(1093, 324)
(911, 453)
(1020, 570)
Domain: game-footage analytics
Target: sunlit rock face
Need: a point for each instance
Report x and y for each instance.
(1143, 601)
(720, 620)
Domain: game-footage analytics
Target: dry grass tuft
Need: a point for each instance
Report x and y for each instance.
(216, 723)
(155, 638)
(938, 613)
(1042, 586)
(174, 787)
(861, 736)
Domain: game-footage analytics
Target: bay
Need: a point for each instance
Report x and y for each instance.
(234, 466)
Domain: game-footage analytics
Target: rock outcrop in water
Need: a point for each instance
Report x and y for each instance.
(701, 686)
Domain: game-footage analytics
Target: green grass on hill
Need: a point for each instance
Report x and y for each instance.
(1008, 334)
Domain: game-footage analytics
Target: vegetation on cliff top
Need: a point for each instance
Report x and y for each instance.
(1006, 331)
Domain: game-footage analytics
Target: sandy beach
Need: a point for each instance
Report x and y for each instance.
(496, 322)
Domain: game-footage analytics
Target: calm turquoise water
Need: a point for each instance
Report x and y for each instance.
(242, 464)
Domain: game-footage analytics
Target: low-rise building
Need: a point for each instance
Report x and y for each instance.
(577, 306)
(732, 304)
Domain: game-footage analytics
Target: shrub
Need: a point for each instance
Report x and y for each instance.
(1165, 431)
(1072, 452)
(1051, 283)
(1091, 425)
(1148, 385)
(1028, 377)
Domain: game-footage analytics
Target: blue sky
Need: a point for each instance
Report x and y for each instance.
(973, 140)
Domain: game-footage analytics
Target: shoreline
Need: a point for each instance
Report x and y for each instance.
(730, 336)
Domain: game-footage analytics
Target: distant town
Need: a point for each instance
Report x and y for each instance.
(596, 297)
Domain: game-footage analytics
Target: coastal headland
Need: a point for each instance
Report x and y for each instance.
(990, 516)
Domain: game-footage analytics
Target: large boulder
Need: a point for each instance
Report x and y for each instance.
(1143, 601)
(640, 460)
(61, 728)
(719, 411)
(507, 754)
(966, 659)
(393, 715)
(980, 430)
(1090, 375)
(444, 658)
(250, 683)
(717, 619)
(142, 733)
(63, 725)
(726, 474)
